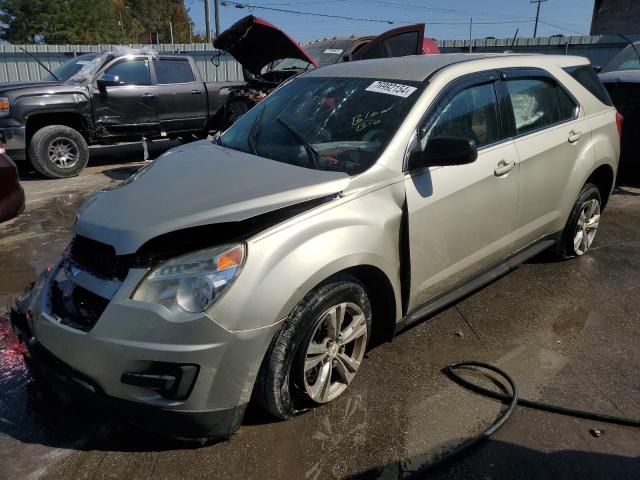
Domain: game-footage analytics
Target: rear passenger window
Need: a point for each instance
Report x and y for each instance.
(471, 113)
(173, 71)
(567, 105)
(587, 77)
(538, 103)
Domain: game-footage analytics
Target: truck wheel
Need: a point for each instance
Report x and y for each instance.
(318, 351)
(58, 151)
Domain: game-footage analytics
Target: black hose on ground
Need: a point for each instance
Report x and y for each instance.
(512, 400)
(600, 417)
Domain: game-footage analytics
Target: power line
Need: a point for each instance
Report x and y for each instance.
(227, 3)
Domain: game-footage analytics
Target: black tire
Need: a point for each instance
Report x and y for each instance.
(279, 387)
(51, 136)
(565, 249)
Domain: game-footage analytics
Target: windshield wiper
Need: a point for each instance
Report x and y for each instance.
(251, 140)
(312, 153)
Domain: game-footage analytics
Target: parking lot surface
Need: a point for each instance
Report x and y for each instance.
(566, 331)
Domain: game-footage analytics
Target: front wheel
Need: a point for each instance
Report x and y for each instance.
(582, 225)
(58, 151)
(318, 351)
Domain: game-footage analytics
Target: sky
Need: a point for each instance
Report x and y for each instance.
(445, 19)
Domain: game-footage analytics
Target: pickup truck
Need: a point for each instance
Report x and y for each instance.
(97, 99)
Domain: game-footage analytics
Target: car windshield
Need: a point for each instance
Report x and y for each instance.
(324, 53)
(340, 124)
(627, 59)
(69, 68)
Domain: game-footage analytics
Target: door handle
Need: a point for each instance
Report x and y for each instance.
(503, 168)
(196, 92)
(574, 136)
(148, 96)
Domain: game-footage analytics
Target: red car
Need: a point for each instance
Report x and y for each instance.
(11, 192)
(269, 57)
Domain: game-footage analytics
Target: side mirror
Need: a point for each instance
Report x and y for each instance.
(597, 68)
(107, 81)
(446, 151)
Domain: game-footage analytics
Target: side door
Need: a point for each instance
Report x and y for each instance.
(182, 99)
(461, 219)
(398, 42)
(128, 105)
(551, 137)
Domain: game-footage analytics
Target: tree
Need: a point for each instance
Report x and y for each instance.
(93, 21)
(59, 21)
(153, 16)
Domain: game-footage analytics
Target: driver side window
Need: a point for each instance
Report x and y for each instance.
(471, 113)
(131, 72)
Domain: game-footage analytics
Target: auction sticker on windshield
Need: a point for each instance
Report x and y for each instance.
(389, 88)
(335, 51)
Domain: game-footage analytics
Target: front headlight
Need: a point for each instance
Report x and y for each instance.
(192, 282)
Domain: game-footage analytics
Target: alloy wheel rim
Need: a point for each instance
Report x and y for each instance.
(335, 352)
(63, 152)
(588, 223)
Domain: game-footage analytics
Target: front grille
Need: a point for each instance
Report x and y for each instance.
(76, 307)
(97, 258)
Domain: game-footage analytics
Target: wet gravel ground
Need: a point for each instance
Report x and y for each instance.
(567, 332)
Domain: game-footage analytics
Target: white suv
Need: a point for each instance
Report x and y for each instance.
(351, 202)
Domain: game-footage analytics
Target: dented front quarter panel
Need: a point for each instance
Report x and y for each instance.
(286, 262)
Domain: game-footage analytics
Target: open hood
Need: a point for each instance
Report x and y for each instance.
(255, 43)
(195, 185)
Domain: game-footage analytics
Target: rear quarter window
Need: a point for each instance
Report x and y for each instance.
(586, 76)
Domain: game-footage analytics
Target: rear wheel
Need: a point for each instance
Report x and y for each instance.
(58, 151)
(318, 351)
(582, 225)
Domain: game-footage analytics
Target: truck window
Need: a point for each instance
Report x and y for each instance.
(173, 71)
(134, 71)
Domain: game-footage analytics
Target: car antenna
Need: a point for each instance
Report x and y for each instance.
(633, 45)
(40, 63)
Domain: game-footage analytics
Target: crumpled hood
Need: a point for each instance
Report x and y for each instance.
(255, 43)
(198, 184)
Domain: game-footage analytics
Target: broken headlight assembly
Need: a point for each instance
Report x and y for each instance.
(192, 282)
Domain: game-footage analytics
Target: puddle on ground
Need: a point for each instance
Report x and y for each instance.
(573, 320)
(34, 240)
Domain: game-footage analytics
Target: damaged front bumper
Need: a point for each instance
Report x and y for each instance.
(187, 379)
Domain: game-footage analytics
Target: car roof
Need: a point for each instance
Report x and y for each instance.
(419, 67)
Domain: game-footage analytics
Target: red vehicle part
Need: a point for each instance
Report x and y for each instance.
(11, 192)
(430, 47)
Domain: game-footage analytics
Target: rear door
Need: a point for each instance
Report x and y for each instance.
(129, 108)
(461, 218)
(398, 42)
(182, 104)
(551, 137)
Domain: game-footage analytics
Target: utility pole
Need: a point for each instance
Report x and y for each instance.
(535, 28)
(470, 28)
(171, 31)
(207, 20)
(216, 16)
